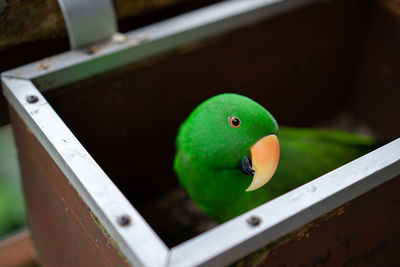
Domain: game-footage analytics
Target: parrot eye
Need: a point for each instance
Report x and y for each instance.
(234, 122)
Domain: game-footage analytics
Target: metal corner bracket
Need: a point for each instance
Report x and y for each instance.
(88, 21)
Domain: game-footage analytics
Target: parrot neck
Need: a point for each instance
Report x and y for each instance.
(224, 197)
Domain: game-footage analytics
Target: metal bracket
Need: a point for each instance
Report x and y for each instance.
(88, 21)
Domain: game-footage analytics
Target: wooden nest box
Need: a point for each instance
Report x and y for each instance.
(85, 121)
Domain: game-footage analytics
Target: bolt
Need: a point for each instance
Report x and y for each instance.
(32, 99)
(254, 221)
(124, 220)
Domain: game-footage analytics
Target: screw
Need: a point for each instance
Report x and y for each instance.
(254, 220)
(124, 220)
(32, 99)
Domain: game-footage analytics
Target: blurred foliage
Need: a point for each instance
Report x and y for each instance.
(12, 207)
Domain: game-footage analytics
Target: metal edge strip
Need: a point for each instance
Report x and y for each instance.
(88, 21)
(235, 239)
(138, 242)
(151, 40)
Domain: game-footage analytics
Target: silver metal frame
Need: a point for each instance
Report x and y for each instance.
(138, 242)
(88, 21)
(151, 40)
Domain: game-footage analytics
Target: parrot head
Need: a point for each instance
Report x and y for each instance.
(226, 148)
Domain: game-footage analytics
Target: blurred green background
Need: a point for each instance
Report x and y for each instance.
(12, 208)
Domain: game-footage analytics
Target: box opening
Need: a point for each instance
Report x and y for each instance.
(128, 119)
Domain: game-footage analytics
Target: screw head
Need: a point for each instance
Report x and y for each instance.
(254, 220)
(124, 220)
(32, 99)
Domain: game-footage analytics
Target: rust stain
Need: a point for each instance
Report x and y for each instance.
(94, 49)
(42, 66)
(336, 212)
(97, 222)
(254, 259)
(110, 240)
(304, 232)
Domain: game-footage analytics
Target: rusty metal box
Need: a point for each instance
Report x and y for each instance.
(85, 120)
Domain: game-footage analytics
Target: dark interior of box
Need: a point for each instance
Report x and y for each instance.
(312, 66)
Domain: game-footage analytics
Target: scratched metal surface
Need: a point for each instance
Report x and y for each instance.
(223, 244)
(362, 232)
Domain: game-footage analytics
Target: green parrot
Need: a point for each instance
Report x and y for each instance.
(228, 149)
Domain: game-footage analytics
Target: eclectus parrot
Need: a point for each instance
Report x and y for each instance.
(228, 150)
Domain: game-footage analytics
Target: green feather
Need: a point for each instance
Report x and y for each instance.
(209, 152)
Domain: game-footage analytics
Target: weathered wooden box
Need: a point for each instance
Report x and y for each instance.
(86, 120)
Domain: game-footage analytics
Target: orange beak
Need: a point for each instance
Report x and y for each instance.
(265, 158)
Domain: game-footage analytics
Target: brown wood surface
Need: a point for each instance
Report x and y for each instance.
(364, 232)
(17, 251)
(64, 231)
(377, 87)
